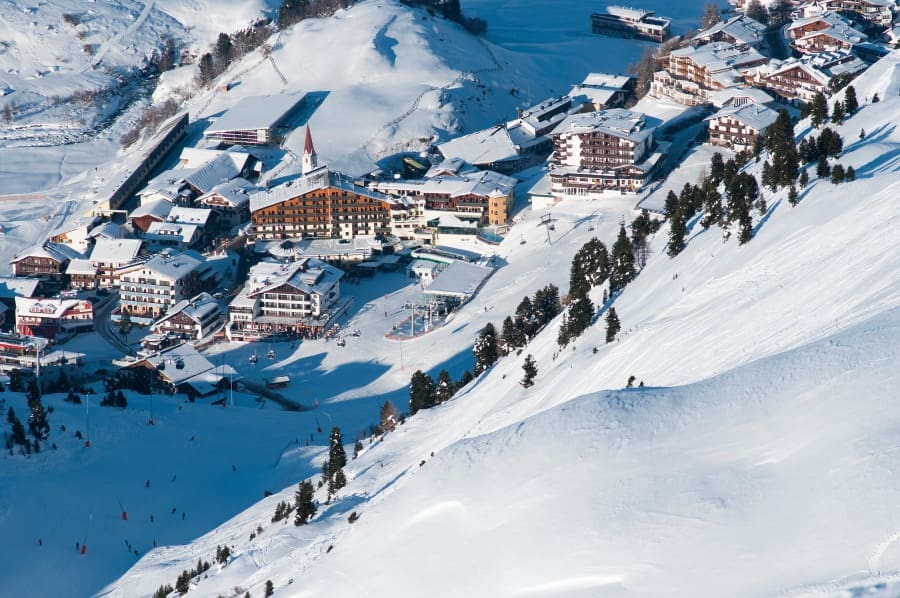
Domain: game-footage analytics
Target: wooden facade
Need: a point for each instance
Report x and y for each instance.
(329, 212)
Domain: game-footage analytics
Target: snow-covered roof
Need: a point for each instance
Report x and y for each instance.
(52, 251)
(479, 182)
(81, 266)
(197, 308)
(115, 251)
(178, 364)
(12, 286)
(606, 81)
(755, 116)
(320, 178)
(309, 275)
(158, 208)
(256, 112)
(360, 247)
(720, 56)
(741, 28)
(451, 220)
(236, 192)
(619, 122)
(220, 169)
(164, 231)
(459, 279)
(626, 12)
(821, 66)
(109, 230)
(487, 146)
(171, 265)
(183, 215)
(740, 95)
(52, 308)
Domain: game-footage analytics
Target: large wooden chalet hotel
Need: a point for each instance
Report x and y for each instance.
(322, 204)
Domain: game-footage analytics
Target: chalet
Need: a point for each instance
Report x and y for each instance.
(600, 91)
(82, 274)
(183, 228)
(631, 22)
(230, 201)
(108, 256)
(53, 319)
(149, 211)
(800, 79)
(738, 128)
(48, 260)
(739, 30)
(597, 151)
(196, 177)
(296, 298)
(481, 196)
(148, 289)
(190, 319)
(182, 368)
(256, 120)
(692, 74)
(828, 32)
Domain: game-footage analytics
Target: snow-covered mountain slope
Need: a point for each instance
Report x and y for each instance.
(760, 458)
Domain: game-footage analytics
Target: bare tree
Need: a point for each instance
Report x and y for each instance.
(711, 15)
(8, 112)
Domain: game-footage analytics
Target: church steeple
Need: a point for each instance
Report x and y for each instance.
(310, 161)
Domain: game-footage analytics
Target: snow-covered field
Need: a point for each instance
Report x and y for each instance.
(759, 459)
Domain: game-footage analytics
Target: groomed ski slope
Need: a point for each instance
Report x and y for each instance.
(760, 459)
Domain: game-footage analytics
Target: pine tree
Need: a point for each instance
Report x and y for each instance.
(793, 198)
(745, 230)
(622, 267)
(445, 386)
(837, 174)
(819, 111)
(485, 349)
(822, 168)
(577, 320)
(337, 457)
(672, 200)
(304, 503)
(530, 370)
(768, 180)
(421, 392)
(837, 115)
(851, 104)
(804, 178)
(612, 325)
(224, 49)
(717, 168)
(590, 268)
(270, 588)
(830, 142)
(862, 133)
(712, 203)
(207, 74)
(677, 231)
(37, 418)
(546, 304)
(850, 175)
(527, 318)
(512, 336)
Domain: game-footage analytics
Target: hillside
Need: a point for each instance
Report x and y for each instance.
(758, 460)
